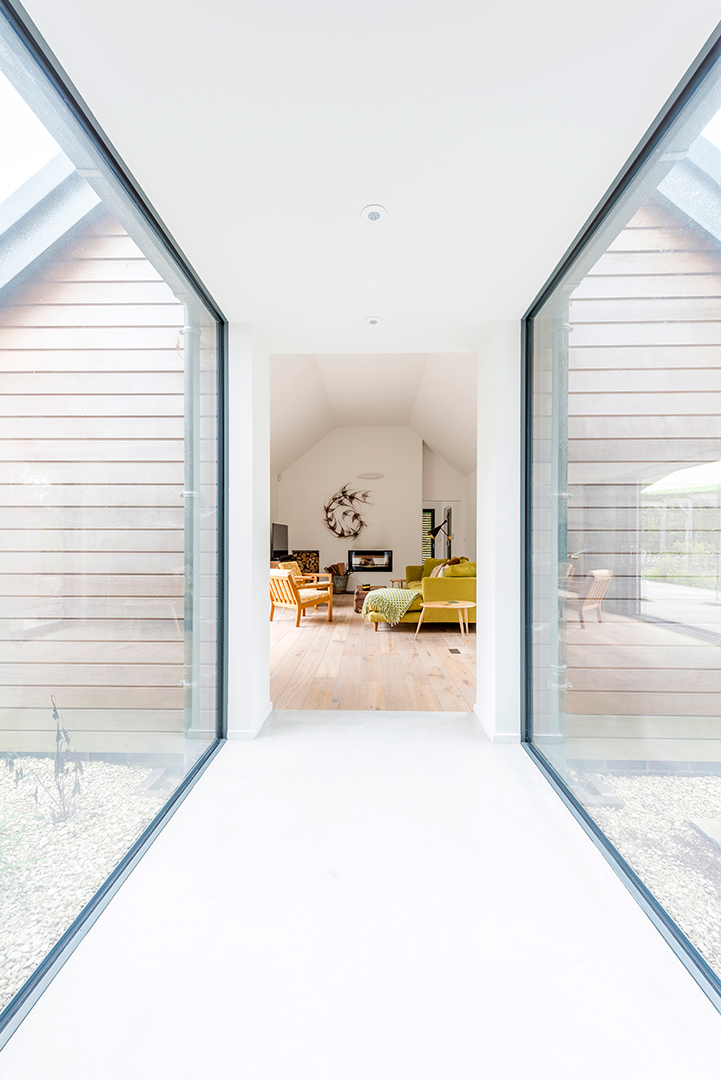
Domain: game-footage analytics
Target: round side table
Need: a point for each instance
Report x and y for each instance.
(461, 605)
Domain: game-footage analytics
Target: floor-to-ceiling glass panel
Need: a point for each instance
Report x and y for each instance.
(626, 524)
(109, 417)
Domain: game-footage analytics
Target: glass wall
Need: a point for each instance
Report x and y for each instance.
(109, 468)
(625, 537)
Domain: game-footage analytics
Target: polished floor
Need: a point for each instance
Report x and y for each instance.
(346, 664)
(371, 895)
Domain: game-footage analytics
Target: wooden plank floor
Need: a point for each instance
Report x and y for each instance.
(641, 691)
(347, 665)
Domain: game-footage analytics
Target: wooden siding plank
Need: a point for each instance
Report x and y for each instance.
(620, 286)
(104, 247)
(632, 704)
(90, 337)
(94, 697)
(92, 607)
(642, 309)
(127, 540)
(110, 585)
(92, 517)
(664, 429)
(644, 356)
(664, 239)
(91, 427)
(148, 405)
(43, 651)
(106, 742)
(687, 404)
(57, 292)
(99, 450)
(92, 631)
(131, 495)
(54, 316)
(78, 674)
(98, 384)
(90, 473)
(656, 262)
(663, 381)
(113, 361)
(79, 269)
(671, 333)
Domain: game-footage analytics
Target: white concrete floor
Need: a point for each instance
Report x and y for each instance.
(371, 895)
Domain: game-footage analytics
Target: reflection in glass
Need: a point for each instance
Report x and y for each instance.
(626, 525)
(108, 486)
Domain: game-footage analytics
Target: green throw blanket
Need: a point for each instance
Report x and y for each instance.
(392, 604)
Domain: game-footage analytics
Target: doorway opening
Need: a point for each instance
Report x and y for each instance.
(369, 455)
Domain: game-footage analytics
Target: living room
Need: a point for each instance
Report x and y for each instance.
(383, 446)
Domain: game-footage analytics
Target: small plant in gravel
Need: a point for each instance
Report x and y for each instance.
(68, 770)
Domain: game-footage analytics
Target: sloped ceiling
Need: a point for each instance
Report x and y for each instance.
(435, 395)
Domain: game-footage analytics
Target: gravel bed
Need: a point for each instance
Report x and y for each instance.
(50, 869)
(680, 865)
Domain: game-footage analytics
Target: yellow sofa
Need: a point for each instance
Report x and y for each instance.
(438, 588)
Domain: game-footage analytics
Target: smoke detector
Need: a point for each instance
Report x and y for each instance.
(372, 320)
(374, 213)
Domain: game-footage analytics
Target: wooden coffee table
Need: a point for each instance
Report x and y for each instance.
(360, 595)
(462, 605)
(398, 583)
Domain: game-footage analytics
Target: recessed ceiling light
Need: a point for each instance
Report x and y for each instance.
(373, 320)
(370, 475)
(374, 213)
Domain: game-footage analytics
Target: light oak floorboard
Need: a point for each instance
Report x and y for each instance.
(346, 664)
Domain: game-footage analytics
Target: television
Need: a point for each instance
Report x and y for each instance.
(278, 541)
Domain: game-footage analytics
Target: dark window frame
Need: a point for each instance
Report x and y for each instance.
(692, 81)
(17, 22)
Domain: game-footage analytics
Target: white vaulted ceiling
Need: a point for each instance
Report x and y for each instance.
(433, 394)
(259, 129)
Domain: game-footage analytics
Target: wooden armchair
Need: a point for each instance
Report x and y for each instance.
(301, 577)
(598, 582)
(284, 592)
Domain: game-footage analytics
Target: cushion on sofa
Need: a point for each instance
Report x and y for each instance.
(464, 569)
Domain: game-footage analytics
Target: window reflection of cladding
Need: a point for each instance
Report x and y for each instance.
(626, 525)
(109, 486)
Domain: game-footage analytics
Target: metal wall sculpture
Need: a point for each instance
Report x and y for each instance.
(341, 515)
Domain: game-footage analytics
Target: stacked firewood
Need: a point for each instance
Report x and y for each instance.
(336, 569)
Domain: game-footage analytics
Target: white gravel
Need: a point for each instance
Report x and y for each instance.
(680, 866)
(50, 869)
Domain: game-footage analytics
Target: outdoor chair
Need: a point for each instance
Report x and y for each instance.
(598, 582)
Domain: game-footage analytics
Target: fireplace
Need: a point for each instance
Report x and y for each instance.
(370, 561)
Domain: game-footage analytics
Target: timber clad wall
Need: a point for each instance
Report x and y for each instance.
(644, 400)
(91, 482)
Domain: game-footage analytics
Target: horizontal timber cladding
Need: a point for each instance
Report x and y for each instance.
(644, 400)
(91, 491)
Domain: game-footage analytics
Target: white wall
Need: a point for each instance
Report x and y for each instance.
(443, 486)
(498, 637)
(441, 482)
(248, 517)
(393, 521)
(470, 485)
(274, 495)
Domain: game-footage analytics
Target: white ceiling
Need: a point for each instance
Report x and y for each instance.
(434, 395)
(260, 129)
